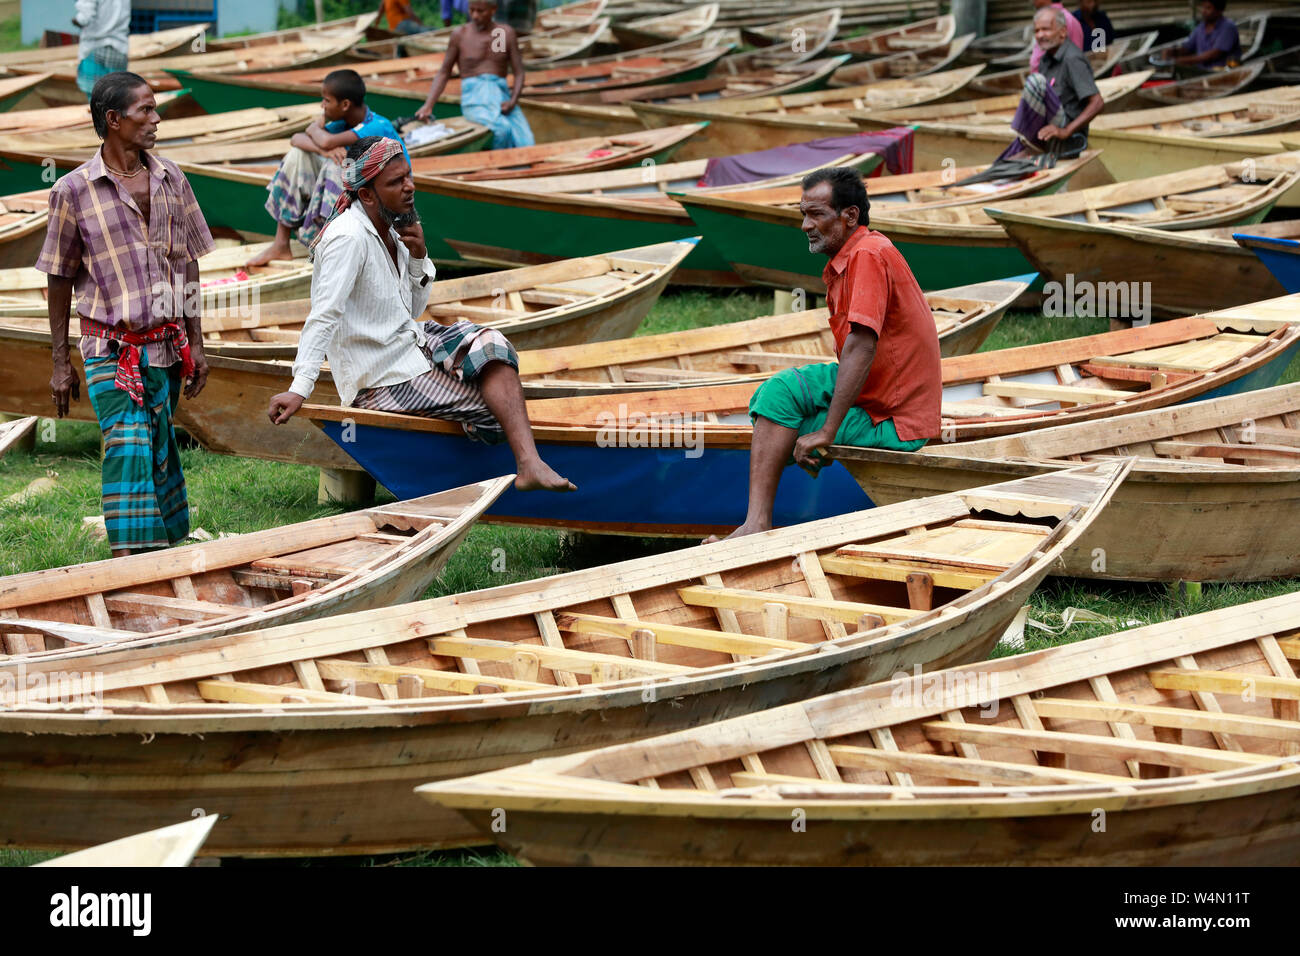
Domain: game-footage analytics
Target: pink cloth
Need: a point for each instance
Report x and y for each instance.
(1074, 33)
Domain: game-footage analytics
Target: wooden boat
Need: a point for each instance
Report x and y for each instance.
(990, 110)
(793, 40)
(1000, 43)
(488, 679)
(745, 351)
(140, 46)
(23, 217)
(1246, 114)
(345, 28)
(1167, 266)
(66, 117)
(14, 89)
(1205, 87)
(225, 279)
(169, 846)
(1251, 31)
(12, 432)
(537, 49)
(761, 240)
(526, 221)
(916, 62)
(638, 444)
(753, 123)
(664, 28)
(576, 14)
(1103, 63)
(921, 34)
(301, 572)
(1277, 247)
(1225, 471)
(1007, 762)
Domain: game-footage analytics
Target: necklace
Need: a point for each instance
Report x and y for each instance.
(113, 169)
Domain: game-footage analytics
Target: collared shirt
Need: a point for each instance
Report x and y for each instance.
(125, 273)
(1073, 33)
(103, 23)
(1222, 36)
(363, 310)
(869, 283)
(372, 125)
(1068, 72)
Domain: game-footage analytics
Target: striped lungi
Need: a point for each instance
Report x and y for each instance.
(449, 390)
(101, 62)
(303, 191)
(145, 506)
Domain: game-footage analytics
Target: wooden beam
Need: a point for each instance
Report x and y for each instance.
(817, 609)
(553, 658)
(333, 669)
(898, 571)
(1158, 715)
(163, 606)
(696, 637)
(960, 768)
(768, 359)
(1227, 682)
(241, 692)
(1073, 394)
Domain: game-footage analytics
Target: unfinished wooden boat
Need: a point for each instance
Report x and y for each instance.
(745, 351)
(759, 234)
(752, 123)
(915, 62)
(65, 117)
(989, 110)
(665, 467)
(337, 719)
(920, 34)
(1007, 762)
(301, 572)
(649, 31)
(175, 845)
(226, 281)
(1168, 267)
(1276, 246)
(1205, 87)
(1103, 61)
(23, 217)
(140, 46)
(537, 49)
(12, 432)
(345, 28)
(806, 34)
(1212, 484)
(1246, 114)
(576, 14)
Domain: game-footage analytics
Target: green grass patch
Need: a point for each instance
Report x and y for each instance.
(11, 35)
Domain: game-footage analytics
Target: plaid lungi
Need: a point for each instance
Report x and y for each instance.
(101, 62)
(303, 191)
(1039, 105)
(449, 390)
(145, 507)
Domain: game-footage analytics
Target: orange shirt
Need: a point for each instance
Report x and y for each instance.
(868, 283)
(396, 12)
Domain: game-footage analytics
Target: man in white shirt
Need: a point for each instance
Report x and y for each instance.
(369, 285)
(104, 26)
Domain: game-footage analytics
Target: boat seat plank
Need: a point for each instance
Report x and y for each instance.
(551, 637)
(332, 669)
(241, 692)
(330, 561)
(922, 556)
(770, 359)
(1153, 378)
(589, 285)
(818, 587)
(1077, 394)
(1273, 435)
(479, 313)
(678, 635)
(1226, 450)
(1157, 715)
(845, 612)
(1144, 751)
(178, 608)
(1198, 356)
(1227, 682)
(275, 581)
(1290, 647)
(965, 580)
(659, 373)
(559, 659)
(961, 768)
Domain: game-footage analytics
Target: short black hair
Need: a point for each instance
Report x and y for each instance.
(847, 189)
(112, 91)
(346, 85)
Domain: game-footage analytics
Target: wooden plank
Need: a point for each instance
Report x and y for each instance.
(98, 610)
(240, 692)
(959, 768)
(1076, 394)
(898, 571)
(333, 669)
(767, 359)
(1287, 710)
(818, 587)
(551, 637)
(727, 618)
(557, 659)
(1208, 703)
(1159, 715)
(1227, 682)
(377, 655)
(162, 606)
(846, 612)
(675, 634)
(883, 738)
(1228, 451)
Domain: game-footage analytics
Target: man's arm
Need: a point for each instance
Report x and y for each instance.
(336, 267)
(855, 364)
(64, 384)
(85, 12)
(517, 68)
(440, 81)
(1079, 76)
(1195, 58)
(192, 310)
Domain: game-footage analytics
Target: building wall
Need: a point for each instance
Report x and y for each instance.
(233, 16)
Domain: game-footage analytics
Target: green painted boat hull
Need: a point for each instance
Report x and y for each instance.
(216, 96)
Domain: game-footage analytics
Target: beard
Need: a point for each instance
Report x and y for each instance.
(399, 220)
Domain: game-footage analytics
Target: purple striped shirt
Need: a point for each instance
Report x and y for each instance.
(122, 275)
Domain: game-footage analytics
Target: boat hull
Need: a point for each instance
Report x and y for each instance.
(1280, 257)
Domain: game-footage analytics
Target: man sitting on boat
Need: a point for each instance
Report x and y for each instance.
(369, 287)
(485, 51)
(308, 183)
(885, 389)
(1060, 98)
(1215, 43)
(125, 233)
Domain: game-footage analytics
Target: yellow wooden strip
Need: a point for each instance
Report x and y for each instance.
(1155, 715)
(959, 768)
(674, 634)
(1226, 682)
(433, 679)
(559, 659)
(240, 692)
(551, 637)
(803, 607)
(898, 571)
(1076, 394)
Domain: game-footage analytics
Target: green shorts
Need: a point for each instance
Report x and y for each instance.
(799, 398)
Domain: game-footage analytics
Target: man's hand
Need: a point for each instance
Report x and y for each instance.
(412, 237)
(810, 451)
(425, 111)
(199, 377)
(339, 154)
(1050, 132)
(507, 106)
(283, 407)
(64, 385)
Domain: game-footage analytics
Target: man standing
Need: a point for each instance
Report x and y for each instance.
(125, 234)
(886, 388)
(485, 51)
(303, 191)
(1214, 43)
(370, 284)
(104, 26)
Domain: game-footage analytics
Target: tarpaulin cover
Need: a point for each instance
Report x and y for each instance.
(895, 145)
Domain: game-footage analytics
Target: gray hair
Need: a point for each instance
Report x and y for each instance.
(1057, 14)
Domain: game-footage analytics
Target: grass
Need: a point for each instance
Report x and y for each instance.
(239, 495)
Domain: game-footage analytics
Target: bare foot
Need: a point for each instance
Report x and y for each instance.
(742, 531)
(540, 476)
(276, 250)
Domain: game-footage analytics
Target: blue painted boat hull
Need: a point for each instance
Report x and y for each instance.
(1280, 256)
(1266, 376)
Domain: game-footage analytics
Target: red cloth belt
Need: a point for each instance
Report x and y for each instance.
(128, 359)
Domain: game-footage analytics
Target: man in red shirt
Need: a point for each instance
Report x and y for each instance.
(886, 388)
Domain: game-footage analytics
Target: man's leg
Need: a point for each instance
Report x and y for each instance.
(289, 197)
(769, 453)
(504, 396)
